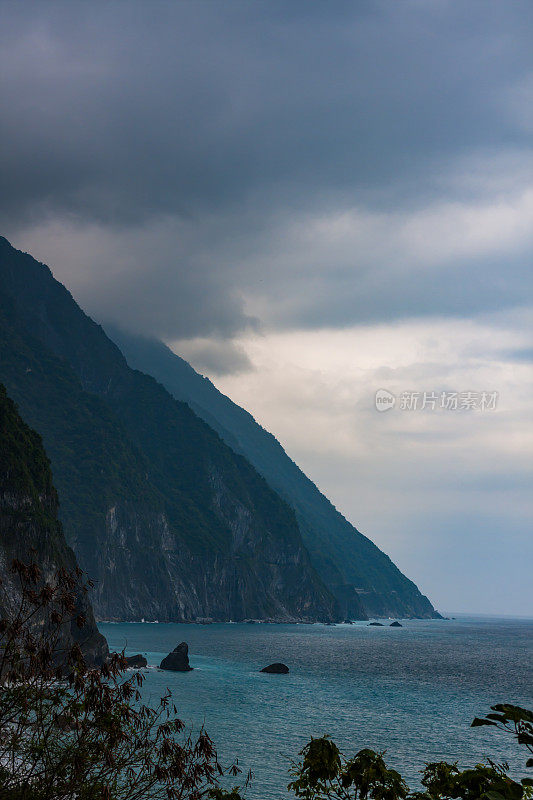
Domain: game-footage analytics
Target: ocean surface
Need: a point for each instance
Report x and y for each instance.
(412, 691)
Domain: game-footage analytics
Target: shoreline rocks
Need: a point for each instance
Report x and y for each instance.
(178, 659)
(136, 662)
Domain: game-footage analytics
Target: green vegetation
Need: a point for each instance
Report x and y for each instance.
(323, 773)
(165, 517)
(72, 733)
(92, 460)
(112, 432)
(343, 557)
(24, 467)
(29, 526)
(28, 499)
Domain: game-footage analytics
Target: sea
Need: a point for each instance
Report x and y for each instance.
(411, 691)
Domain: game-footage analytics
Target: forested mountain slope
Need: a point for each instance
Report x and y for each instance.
(170, 522)
(345, 558)
(30, 530)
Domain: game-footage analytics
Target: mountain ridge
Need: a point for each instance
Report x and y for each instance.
(347, 560)
(170, 522)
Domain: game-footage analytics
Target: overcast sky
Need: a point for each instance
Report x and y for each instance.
(310, 201)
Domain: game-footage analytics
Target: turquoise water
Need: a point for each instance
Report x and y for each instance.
(411, 691)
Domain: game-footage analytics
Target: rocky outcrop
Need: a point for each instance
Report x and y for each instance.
(178, 659)
(29, 528)
(174, 584)
(136, 662)
(276, 669)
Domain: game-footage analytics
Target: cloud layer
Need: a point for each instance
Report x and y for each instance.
(231, 154)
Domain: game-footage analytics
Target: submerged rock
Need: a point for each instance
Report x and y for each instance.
(396, 624)
(276, 669)
(178, 659)
(137, 662)
(375, 624)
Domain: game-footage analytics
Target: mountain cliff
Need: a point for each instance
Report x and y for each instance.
(350, 564)
(168, 520)
(29, 528)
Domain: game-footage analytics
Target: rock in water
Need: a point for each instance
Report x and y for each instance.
(137, 662)
(178, 659)
(276, 669)
(396, 625)
(375, 624)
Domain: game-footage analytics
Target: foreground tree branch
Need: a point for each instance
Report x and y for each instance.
(69, 732)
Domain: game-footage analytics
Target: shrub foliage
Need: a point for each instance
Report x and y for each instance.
(68, 732)
(323, 773)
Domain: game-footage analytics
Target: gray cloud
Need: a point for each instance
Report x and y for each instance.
(191, 137)
(219, 357)
(521, 355)
(118, 111)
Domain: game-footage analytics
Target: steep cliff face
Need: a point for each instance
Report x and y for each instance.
(168, 520)
(355, 570)
(29, 528)
(146, 572)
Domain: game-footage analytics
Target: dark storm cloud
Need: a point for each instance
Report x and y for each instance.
(460, 290)
(123, 114)
(123, 110)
